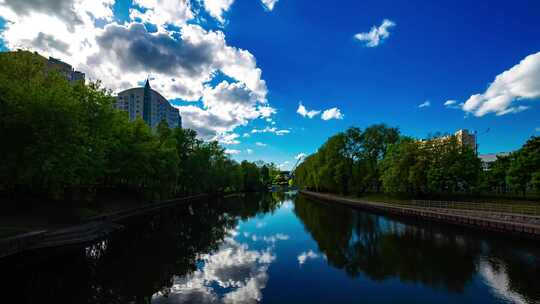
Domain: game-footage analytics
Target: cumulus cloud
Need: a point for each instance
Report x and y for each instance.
(206, 123)
(217, 8)
(269, 4)
(183, 66)
(62, 9)
(304, 256)
(260, 144)
(134, 49)
(49, 43)
(70, 29)
(162, 12)
(189, 61)
(521, 82)
(332, 113)
(377, 34)
(232, 151)
(425, 104)
(305, 113)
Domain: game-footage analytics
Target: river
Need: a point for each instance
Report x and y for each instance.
(283, 248)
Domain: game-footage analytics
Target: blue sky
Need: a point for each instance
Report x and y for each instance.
(307, 52)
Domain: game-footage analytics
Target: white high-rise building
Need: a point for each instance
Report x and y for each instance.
(149, 105)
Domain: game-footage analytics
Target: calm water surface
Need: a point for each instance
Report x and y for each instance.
(281, 248)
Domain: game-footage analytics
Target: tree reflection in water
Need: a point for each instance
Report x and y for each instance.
(225, 251)
(435, 255)
(150, 256)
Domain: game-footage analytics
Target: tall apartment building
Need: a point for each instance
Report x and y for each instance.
(148, 104)
(464, 137)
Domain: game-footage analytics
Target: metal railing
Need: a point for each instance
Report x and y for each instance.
(516, 208)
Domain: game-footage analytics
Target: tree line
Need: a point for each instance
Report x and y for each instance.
(380, 159)
(57, 137)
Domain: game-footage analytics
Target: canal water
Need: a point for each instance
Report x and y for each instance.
(282, 248)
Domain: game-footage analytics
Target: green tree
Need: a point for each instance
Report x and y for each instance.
(522, 174)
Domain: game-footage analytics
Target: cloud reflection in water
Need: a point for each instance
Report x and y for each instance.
(233, 274)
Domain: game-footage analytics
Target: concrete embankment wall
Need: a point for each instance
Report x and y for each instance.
(446, 216)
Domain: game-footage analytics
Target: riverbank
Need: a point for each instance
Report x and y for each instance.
(86, 231)
(520, 224)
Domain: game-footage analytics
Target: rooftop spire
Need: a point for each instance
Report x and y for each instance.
(147, 85)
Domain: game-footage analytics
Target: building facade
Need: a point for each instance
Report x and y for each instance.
(65, 70)
(149, 105)
(52, 65)
(463, 138)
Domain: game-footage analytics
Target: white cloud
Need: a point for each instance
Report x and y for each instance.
(232, 151)
(450, 102)
(228, 138)
(162, 12)
(537, 129)
(249, 151)
(300, 156)
(273, 130)
(70, 31)
(453, 104)
(304, 256)
(305, 113)
(245, 135)
(260, 144)
(425, 104)
(269, 4)
(333, 113)
(217, 8)
(377, 34)
(521, 82)
(206, 123)
(234, 102)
